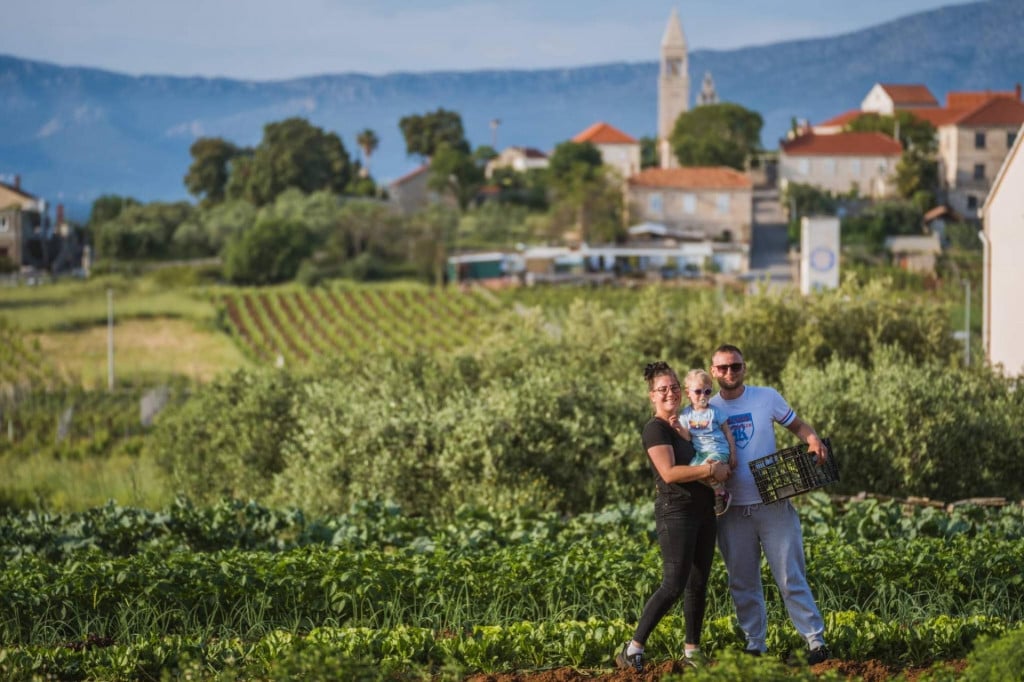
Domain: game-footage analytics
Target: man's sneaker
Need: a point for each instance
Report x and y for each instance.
(624, 661)
(810, 656)
(722, 500)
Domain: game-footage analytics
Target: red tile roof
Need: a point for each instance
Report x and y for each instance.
(933, 115)
(969, 100)
(998, 111)
(905, 96)
(937, 117)
(843, 144)
(692, 177)
(602, 133)
(842, 119)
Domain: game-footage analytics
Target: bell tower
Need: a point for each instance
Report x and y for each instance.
(673, 86)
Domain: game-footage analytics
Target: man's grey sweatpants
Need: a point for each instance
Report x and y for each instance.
(743, 533)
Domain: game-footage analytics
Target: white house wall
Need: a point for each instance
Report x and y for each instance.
(1004, 227)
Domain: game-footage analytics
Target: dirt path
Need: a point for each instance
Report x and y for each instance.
(869, 671)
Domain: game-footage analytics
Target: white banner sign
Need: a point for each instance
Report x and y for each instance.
(819, 254)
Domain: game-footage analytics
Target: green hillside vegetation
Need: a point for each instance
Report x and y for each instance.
(524, 397)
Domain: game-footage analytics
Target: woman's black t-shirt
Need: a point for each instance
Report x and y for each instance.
(659, 432)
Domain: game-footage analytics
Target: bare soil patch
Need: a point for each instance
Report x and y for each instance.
(869, 671)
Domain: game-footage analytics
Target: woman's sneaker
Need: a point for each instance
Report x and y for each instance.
(624, 661)
(695, 659)
(722, 500)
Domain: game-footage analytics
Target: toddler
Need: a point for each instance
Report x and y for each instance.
(706, 428)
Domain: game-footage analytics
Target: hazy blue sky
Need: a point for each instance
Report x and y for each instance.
(274, 39)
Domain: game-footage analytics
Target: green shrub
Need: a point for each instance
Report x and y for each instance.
(227, 439)
(997, 659)
(268, 252)
(903, 426)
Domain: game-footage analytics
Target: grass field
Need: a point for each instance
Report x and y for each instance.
(143, 348)
(159, 329)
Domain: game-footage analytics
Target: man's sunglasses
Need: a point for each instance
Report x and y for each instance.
(736, 367)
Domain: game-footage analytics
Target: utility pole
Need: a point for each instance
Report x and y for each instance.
(967, 323)
(110, 339)
(495, 122)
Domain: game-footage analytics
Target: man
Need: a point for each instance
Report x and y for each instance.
(750, 527)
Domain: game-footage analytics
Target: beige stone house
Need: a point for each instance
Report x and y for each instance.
(21, 216)
(702, 202)
(975, 129)
(841, 162)
(519, 159)
(411, 192)
(1002, 275)
(886, 98)
(972, 147)
(618, 150)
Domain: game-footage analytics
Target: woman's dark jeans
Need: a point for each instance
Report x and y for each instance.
(686, 533)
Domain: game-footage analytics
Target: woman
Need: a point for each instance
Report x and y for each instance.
(684, 513)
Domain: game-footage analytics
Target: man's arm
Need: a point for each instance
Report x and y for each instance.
(807, 434)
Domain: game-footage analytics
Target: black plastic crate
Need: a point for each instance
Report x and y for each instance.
(792, 471)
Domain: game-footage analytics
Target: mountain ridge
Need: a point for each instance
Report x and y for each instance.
(73, 133)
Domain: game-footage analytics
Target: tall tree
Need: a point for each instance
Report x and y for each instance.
(293, 153)
(649, 152)
(723, 134)
(109, 206)
(431, 238)
(584, 189)
(423, 134)
(911, 131)
(207, 177)
(368, 142)
(456, 173)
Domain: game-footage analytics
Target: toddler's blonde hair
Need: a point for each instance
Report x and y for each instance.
(697, 374)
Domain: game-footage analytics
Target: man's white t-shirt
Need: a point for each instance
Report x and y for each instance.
(751, 418)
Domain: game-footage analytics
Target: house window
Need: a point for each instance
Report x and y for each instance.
(979, 140)
(803, 166)
(830, 166)
(979, 171)
(1011, 137)
(722, 203)
(3, 224)
(689, 204)
(972, 202)
(855, 167)
(654, 204)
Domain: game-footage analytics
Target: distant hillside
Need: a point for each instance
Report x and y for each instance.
(75, 133)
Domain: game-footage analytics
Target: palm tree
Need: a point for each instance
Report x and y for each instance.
(367, 141)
